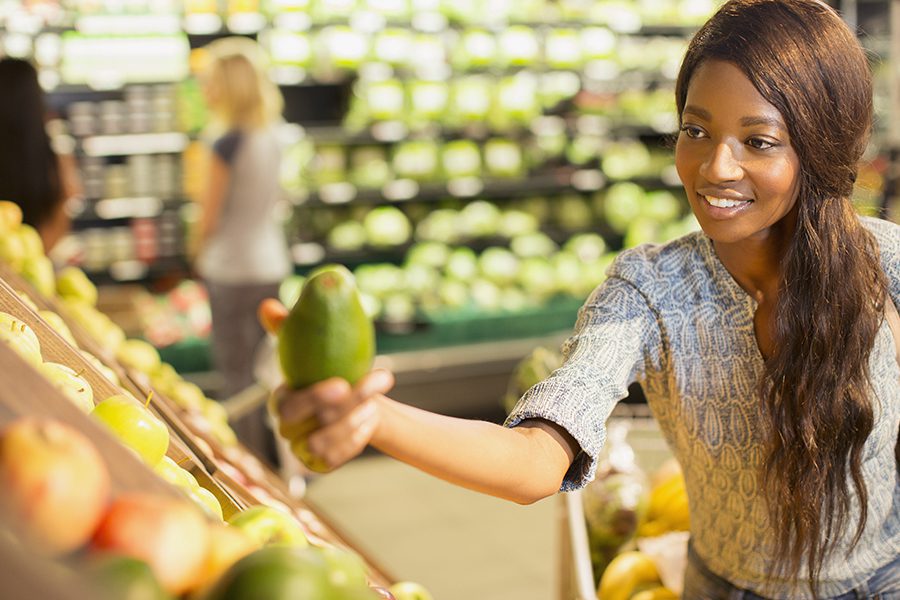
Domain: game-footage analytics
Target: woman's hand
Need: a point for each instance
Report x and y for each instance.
(329, 422)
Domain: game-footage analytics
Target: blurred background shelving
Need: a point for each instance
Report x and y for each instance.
(477, 164)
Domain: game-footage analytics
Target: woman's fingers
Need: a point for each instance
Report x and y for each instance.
(330, 422)
(271, 314)
(336, 405)
(344, 439)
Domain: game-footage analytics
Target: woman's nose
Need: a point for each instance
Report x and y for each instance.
(721, 164)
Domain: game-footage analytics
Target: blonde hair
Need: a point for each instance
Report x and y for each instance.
(244, 96)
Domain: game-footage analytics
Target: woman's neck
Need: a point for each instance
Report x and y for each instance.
(756, 263)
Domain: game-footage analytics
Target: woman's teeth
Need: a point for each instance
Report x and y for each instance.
(724, 202)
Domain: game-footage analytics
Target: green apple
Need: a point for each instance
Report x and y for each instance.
(187, 395)
(223, 433)
(26, 299)
(164, 377)
(10, 217)
(31, 240)
(139, 355)
(268, 526)
(346, 569)
(98, 325)
(108, 373)
(207, 502)
(410, 590)
(175, 474)
(71, 384)
(135, 426)
(12, 251)
(58, 325)
(214, 411)
(21, 338)
(38, 270)
(71, 282)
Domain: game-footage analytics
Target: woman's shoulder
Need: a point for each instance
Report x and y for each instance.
(887, 236)
(887, 233)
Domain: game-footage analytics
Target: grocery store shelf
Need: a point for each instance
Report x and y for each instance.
(135, 143)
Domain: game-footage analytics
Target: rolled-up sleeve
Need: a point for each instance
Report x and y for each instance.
(605, 354)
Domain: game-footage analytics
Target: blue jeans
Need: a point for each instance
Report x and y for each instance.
(702, 584)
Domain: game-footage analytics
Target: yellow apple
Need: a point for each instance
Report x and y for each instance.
(71, 282)
(71, 384)
(135, 426)
(58, 325)
(21, 338)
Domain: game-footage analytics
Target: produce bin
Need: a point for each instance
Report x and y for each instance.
(576, 574)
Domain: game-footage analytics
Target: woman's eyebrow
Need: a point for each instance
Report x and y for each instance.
(762, 120)
(697, 112)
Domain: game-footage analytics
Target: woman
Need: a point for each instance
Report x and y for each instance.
(761, 342)
(243, 253)
(32, 175)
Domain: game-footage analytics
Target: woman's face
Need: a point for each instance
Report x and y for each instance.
(734, 156)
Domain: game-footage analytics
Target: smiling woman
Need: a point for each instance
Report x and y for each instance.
(760, 342)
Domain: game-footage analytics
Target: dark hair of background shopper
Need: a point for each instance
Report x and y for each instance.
(32, 174)
(763, 343)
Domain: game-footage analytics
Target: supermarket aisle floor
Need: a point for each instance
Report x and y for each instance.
(459, 544)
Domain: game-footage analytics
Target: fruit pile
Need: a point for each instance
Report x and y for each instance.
(143, 516)
(628, 517)
(59, 502)
(76, 298)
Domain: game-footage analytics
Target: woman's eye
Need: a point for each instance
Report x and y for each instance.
(692, 131)
(760, 143)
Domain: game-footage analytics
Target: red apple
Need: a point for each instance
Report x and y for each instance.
(170, 535)
(54, 483)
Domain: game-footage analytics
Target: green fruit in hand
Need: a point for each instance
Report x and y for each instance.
(71, 282)
(135, 426)
(21, 338)
(275, 573)
(327, 333)
(71, 384)
(269, 526)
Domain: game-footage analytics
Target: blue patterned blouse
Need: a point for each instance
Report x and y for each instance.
(672, 318)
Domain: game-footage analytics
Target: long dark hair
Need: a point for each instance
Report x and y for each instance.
(29, 173)
(816, 406)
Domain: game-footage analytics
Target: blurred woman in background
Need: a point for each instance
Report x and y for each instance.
(243, 254)
(32, 174)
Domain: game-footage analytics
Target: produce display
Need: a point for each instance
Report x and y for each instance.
(637, 525)
(125, 488)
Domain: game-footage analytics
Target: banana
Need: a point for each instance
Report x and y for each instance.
(657, 593)
(626, 571)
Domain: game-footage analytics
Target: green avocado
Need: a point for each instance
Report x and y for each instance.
(327, 332)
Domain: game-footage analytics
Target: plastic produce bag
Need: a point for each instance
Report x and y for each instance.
(615, 501)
